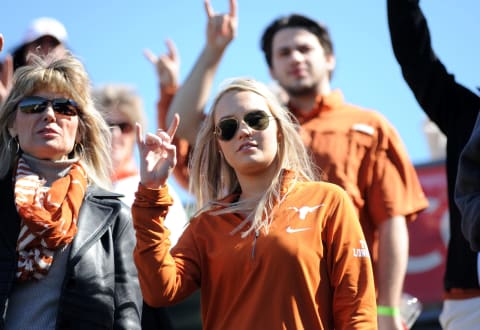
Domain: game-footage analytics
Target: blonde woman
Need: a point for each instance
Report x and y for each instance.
(66, 242)
(269, 248)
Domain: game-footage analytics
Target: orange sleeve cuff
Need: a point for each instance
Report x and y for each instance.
(146, 197)
(168, 90)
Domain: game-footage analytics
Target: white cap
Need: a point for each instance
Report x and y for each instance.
(45, 26)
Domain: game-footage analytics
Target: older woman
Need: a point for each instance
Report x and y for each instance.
(66, 242)
(122, 107)
(269, 247)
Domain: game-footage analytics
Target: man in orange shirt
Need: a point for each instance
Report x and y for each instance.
(355, 148)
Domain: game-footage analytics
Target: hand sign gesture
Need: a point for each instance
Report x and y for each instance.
(167, 65)
(157, 155)
(221, 28)
(6, 74)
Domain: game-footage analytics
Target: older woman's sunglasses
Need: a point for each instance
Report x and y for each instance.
(125, 127)
(38, 104)
(226, 128)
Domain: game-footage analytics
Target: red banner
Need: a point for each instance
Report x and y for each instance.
(429, 236)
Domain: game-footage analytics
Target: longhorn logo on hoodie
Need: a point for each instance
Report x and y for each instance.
(304, 210)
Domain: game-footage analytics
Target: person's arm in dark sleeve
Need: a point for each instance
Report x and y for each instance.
(467, 189)
(437, 92)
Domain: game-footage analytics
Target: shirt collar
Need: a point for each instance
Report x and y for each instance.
(323, 103)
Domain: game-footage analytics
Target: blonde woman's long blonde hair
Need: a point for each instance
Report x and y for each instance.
(212, 178)
(63, 74)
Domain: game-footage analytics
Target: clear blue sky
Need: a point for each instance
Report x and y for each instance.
(111, 35)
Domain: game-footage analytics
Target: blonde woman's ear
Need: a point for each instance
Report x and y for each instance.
(13, 132)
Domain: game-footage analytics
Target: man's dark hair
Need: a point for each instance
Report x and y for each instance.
(295, 21)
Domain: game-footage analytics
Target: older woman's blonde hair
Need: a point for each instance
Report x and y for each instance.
(60, 74)
(119, 98)
(212, 178)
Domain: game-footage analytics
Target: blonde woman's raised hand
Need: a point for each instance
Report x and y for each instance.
(157, 155)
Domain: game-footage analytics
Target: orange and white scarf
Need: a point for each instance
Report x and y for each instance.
(49, 217)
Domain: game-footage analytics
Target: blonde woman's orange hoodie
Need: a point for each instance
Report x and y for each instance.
(311, 271)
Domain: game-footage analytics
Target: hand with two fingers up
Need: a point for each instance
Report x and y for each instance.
(157, 155)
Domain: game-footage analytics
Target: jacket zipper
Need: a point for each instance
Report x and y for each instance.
(257, 233)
